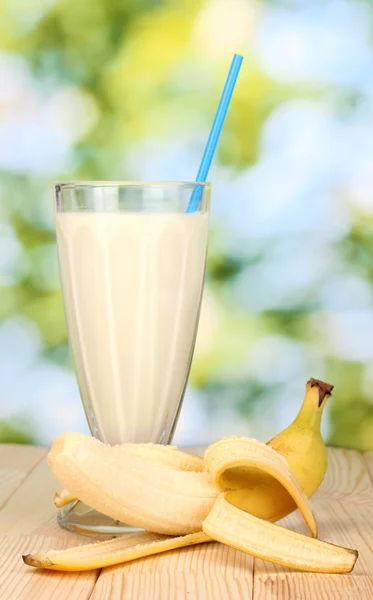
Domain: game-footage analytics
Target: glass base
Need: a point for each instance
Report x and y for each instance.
(80, 518)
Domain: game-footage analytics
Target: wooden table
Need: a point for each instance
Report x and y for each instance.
(343, 506)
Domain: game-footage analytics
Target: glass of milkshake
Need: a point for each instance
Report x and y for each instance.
(132, 263)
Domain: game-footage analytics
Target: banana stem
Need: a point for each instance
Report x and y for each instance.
(317, 393)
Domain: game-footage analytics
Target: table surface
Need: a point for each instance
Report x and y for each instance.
(343, 507)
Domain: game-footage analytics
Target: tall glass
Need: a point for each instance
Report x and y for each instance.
(132, 264)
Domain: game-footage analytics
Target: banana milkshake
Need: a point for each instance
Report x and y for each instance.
(132, 285)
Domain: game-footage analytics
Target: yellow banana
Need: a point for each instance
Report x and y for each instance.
(170, 492)
(118, 481)
(302, 446)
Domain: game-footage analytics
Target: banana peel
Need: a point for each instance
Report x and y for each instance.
(262, 539)
(233, 463)
(111, 552)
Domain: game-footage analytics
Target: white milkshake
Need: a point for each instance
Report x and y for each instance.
(132, 286)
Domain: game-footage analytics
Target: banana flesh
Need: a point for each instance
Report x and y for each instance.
(169, 456)
(229, 525)
(157, 454)
(134, 489)
(111, 552)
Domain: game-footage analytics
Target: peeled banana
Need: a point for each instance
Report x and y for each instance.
(229, 496)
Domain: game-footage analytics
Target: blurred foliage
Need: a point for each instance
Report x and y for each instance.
(15, 433)
(142, 74)
(352, 412)
(356, 247)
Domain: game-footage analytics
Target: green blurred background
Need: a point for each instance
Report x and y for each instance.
(127, 89)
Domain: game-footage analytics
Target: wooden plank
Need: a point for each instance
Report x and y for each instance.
(31, 508)
(271, 584)
(172, 586)
(344, 512)
(16, 462)
(19, 582)
(208, 571)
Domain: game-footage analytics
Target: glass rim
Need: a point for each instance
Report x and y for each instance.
(76, 184)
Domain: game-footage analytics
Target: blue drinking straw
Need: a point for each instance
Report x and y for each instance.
(215, 132)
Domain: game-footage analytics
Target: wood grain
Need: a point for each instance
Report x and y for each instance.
(16, 462)
(31, 509)
(19, 582)
(270, 584)
(209, 571)
(347, 477)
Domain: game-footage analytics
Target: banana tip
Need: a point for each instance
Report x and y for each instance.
(325, 389)
(32, 561)
(355, 554)
(58, 501)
